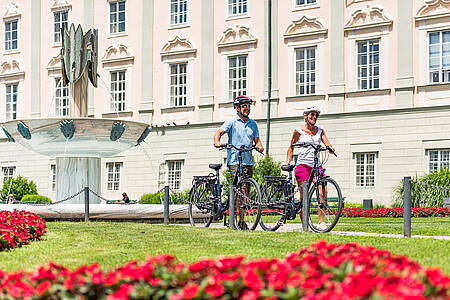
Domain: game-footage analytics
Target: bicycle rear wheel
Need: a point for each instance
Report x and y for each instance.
(325, 205)
(201, 206)
(248, 204)
(272, 207)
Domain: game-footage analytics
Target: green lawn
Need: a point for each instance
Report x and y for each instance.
(76, 243)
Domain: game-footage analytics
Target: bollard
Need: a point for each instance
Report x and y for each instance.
(166, 204)
(232, 209)
(305, 211)
(86, 204)
(407, 206)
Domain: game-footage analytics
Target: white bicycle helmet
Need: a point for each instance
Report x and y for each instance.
(309, 109)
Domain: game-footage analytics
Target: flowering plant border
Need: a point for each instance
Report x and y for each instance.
(19, 227)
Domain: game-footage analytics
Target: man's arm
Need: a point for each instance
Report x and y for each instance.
(258, 144)
(217, 137)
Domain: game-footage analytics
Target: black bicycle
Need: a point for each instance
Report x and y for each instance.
(325, 200)
(207, 205)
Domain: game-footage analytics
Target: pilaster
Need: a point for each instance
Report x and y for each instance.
(146, 107)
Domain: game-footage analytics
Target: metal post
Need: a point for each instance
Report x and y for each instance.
(269, 70)
(407, 206)
(305, 212)
(232, 209)
(86, 204)
(166, 204)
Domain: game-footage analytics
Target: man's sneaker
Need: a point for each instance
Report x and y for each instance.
(243, 226)
(322, 226)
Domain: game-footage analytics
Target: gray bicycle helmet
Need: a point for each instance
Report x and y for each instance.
(242, 99)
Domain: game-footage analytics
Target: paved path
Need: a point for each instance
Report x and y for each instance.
(292, 227)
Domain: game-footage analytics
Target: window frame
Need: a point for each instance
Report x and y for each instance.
(110, 25)
(173, 99)
(306, 84)
(60, 11)
(441, 68)
(114, 173)
(53, 177)
(10, 20)
(365, 175)
(180, 171)
(237, 15)
(113, 93)
(186, 14)
(439, 160)
(8, 168)
(11, 111)
(305, 5)
(233, 93)
(62, 87)
(368, 78)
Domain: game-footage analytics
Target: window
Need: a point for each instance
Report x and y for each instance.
(237, 76)
(116, 17)
(305, 71)
(369, 64)
(11, 101)
(178, 84)
(53, 173)
(365, 169)
(439, 57)
(304, 2)
(8, 172)
(11, 35)
(62, 101)
(118, 91)
(237, 7)
(61, 20)
(113, 171)
(178, 12)
(174, 172)
(438, 159)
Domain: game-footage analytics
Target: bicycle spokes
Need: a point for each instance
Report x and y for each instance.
(248, 204)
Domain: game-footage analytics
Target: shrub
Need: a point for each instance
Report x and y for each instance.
(37, 199)
(19, 187)
(179, 198)
(352, 205)
(422, 196)
(266, 166)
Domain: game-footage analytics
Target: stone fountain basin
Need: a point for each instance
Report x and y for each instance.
(90, 139)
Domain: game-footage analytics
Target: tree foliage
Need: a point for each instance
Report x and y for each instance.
(19, 187)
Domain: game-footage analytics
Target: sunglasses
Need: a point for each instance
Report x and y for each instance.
(245, 105)
(314, 114)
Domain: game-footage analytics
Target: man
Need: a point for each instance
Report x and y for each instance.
(241, 131)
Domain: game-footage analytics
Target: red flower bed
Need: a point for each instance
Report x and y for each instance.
(321, 271)
(19, 227)
(395, 212)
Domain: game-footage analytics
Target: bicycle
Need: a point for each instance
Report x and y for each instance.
(207, 205)
(325, 199)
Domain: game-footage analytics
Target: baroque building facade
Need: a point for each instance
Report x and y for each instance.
(378, 69)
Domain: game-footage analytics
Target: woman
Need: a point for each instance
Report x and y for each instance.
(309, 133)
(125, 198)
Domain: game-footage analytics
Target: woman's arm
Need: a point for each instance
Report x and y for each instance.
(325, 140)
(290, 150)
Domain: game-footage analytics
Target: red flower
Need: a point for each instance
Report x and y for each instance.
(190, 291)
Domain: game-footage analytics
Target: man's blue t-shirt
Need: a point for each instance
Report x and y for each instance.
(240, 133)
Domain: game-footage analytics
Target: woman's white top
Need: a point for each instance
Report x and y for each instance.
(306, 154)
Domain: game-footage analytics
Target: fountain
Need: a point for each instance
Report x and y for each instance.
(77, 142)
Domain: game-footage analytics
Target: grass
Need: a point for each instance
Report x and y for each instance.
(75, 243)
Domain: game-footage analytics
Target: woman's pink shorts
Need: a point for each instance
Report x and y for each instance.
(302, 172)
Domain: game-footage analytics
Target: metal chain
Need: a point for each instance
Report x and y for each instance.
(98, 196)
(430, 185)
(54, 203)
(152, 196)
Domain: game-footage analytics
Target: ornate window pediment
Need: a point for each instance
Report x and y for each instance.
(12, 10)
(61, 5)
(433, 9)
(367, 18)
(55, 63)
(305, 26)
(178, 46)
(117, 53)
(236, 36)
(10, 68)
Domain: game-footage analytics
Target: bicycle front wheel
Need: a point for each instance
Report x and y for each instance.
(272, 207)
(248, 204)
(201, 206)
(325, 205)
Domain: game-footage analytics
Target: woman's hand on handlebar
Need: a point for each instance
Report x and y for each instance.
(331, 150)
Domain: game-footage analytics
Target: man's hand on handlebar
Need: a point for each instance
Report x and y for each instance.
(218, 144)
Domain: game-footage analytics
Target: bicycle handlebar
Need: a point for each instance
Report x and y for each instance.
(240, 149)
(318, 148)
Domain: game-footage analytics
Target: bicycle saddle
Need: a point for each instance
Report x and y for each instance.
(287, 168)
(215, 166)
